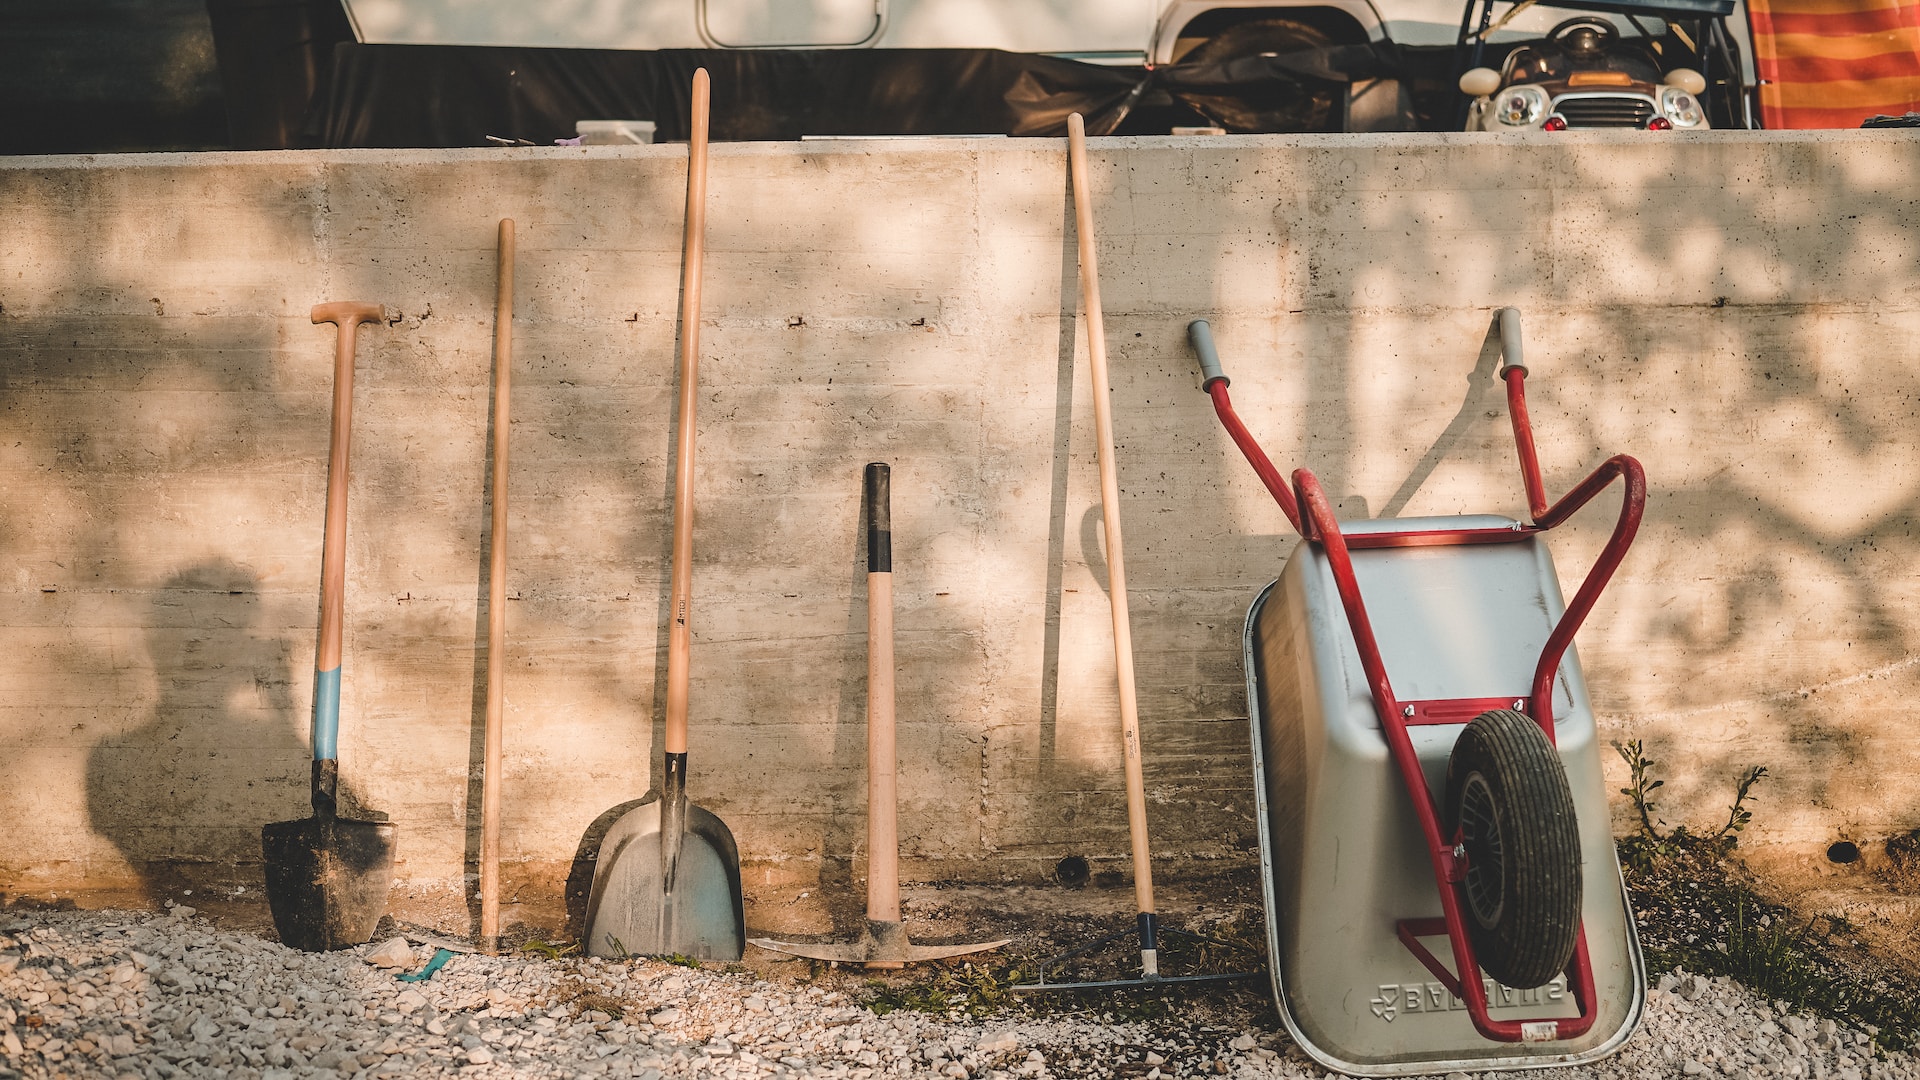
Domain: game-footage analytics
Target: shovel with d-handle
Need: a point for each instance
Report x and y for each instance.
(884, 942)
(667, 880)
(327, 876)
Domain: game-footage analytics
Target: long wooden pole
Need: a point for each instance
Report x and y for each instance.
(1110, 516)
(883, 829)
(491, 779)
(693, 251)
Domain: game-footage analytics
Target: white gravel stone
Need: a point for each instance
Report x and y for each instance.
(392, 953)
(138, 997)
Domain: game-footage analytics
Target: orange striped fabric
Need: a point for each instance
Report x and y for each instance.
(1834, 63)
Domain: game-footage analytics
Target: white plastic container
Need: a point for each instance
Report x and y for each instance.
(614, 132)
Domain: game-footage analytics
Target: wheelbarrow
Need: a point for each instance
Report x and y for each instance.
(1422, 739)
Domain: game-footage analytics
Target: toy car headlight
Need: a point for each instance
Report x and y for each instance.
(1681, 107)
(1480, 82)
(1520, 106)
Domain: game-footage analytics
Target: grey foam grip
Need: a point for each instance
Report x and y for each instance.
(1511, 352)
(1201, 335)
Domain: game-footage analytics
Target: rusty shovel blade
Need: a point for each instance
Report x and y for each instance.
(327, 879)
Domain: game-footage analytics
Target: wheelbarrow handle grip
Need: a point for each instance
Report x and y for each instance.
(1202, 337)
(1511, 352)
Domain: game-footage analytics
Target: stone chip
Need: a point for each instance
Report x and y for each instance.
(392, 953)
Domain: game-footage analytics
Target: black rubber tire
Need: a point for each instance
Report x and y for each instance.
(1508, 800)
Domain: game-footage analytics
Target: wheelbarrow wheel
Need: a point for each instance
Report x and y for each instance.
(1509, 803)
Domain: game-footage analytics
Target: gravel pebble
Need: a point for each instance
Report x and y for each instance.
(135, 996)
(393, 953)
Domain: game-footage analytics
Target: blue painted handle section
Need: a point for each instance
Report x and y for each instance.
(326, 715)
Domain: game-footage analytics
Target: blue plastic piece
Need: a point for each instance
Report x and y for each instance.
(440, 958)
(326, 715)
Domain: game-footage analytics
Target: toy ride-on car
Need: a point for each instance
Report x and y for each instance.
(1651, 65)
(1584, 75)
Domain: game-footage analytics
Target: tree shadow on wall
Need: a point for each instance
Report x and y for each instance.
(183, 795)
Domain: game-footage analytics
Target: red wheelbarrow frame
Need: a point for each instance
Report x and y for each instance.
(1318, 526)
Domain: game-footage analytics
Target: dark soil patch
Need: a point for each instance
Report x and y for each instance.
(1698, 909)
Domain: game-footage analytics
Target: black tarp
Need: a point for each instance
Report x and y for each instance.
(107, 76)
(445, 96)
(274, 64)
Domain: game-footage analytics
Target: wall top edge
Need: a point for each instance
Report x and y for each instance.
(910, 145)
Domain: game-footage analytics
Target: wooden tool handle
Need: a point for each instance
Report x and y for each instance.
(883, 830)
(1110, 513)
(693, 250)
(490, 778)
(347, 317)
(348, 313)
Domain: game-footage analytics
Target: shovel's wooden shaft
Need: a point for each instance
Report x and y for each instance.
(883, 831)
(667, 877)
(693, 249)
(491, 779)
(1110, 513)
(346, 317)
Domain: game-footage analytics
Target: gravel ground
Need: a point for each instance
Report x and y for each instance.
(141, 995)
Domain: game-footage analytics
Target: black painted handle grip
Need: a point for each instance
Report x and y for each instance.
(879, 519)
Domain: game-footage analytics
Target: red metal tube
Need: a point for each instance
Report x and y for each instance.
(1516, 379)
(1324, 529)
(1262, 466)
(1633, 506)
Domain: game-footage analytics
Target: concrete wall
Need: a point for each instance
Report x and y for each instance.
(1739, 310)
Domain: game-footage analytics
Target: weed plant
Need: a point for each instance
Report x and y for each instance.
(1696, 911)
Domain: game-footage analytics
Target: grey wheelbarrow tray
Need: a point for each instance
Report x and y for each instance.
(1352, 864)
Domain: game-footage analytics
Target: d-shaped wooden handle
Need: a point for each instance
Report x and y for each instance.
(348, 313)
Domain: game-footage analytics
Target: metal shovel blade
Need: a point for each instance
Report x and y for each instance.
(650, 900)
(327, 879)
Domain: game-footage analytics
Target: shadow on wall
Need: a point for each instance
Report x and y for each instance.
(183, 796)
